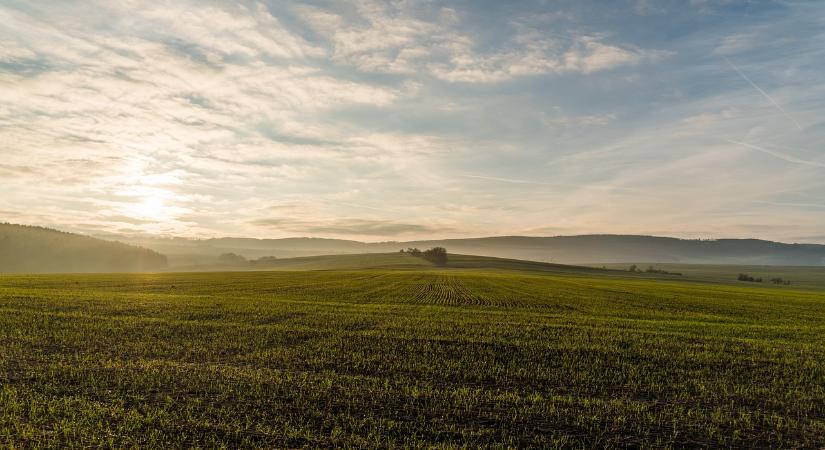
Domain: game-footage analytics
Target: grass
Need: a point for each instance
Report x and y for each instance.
(420, 357)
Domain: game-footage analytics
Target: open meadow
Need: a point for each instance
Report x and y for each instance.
(410, 357)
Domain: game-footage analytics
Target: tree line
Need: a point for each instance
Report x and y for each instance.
(235, 259)
(435, 255)
(650, 269)
(774, 280)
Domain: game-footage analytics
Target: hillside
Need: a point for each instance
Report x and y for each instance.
(587, 249)
(805, 277)
(625, 248)
(395, 261)
(27, 249)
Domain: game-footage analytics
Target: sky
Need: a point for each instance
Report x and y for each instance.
(403, 119)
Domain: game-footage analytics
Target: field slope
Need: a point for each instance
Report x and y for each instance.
(398, 260)
(416, 357)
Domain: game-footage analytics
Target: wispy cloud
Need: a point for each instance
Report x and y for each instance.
(390, 38)
(407, 118)
(794, 204)
(352, 227)
(507, 180)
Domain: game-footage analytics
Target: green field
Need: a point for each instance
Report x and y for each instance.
(414, 356)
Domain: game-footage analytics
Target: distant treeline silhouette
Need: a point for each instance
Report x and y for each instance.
(435, 255)
(31, 249)
(774, 280)
(235, 259)
(748, 278)
(650, 269)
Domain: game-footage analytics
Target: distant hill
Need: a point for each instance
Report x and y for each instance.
(628, 248)
(27, 249)
(586, 249)
(183, 251)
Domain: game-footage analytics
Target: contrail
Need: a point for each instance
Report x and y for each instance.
(355, 205)
(800, 205)
(762, 92)
(775, 154)
(509, 180)
(542, 183)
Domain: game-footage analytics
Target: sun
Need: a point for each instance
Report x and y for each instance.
(149, 204)
(152, 208)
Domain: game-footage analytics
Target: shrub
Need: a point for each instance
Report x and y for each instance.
(436, 255)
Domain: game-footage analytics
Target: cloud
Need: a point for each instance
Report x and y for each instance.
(535, 55)
(358, 227)
(201, 118)
(388, 38)
(9, 170)
(819, 238)
(508, 180)
(794, 204)
(736, 44)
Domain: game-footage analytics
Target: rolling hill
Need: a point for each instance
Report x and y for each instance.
(805, 277)
(27, 249)
(397, 261)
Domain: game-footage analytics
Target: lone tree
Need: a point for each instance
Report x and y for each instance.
(436, 255)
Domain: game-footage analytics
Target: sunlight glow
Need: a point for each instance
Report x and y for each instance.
(150, 208)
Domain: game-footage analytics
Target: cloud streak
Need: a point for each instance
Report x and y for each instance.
(508, 180)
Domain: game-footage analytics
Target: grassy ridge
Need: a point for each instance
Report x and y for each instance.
(407, 358)
(398, 260)
(803, 277)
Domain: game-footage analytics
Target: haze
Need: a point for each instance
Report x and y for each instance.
(411, 120)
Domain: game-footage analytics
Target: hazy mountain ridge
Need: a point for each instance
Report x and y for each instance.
(37, 249)
(584, 249)
(632, 248)
(30, 249)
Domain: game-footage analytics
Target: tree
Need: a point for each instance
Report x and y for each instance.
(436, 255)
(231, 258)
(633, 268)
(746, 277)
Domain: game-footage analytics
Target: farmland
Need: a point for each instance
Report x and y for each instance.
(411, 356)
